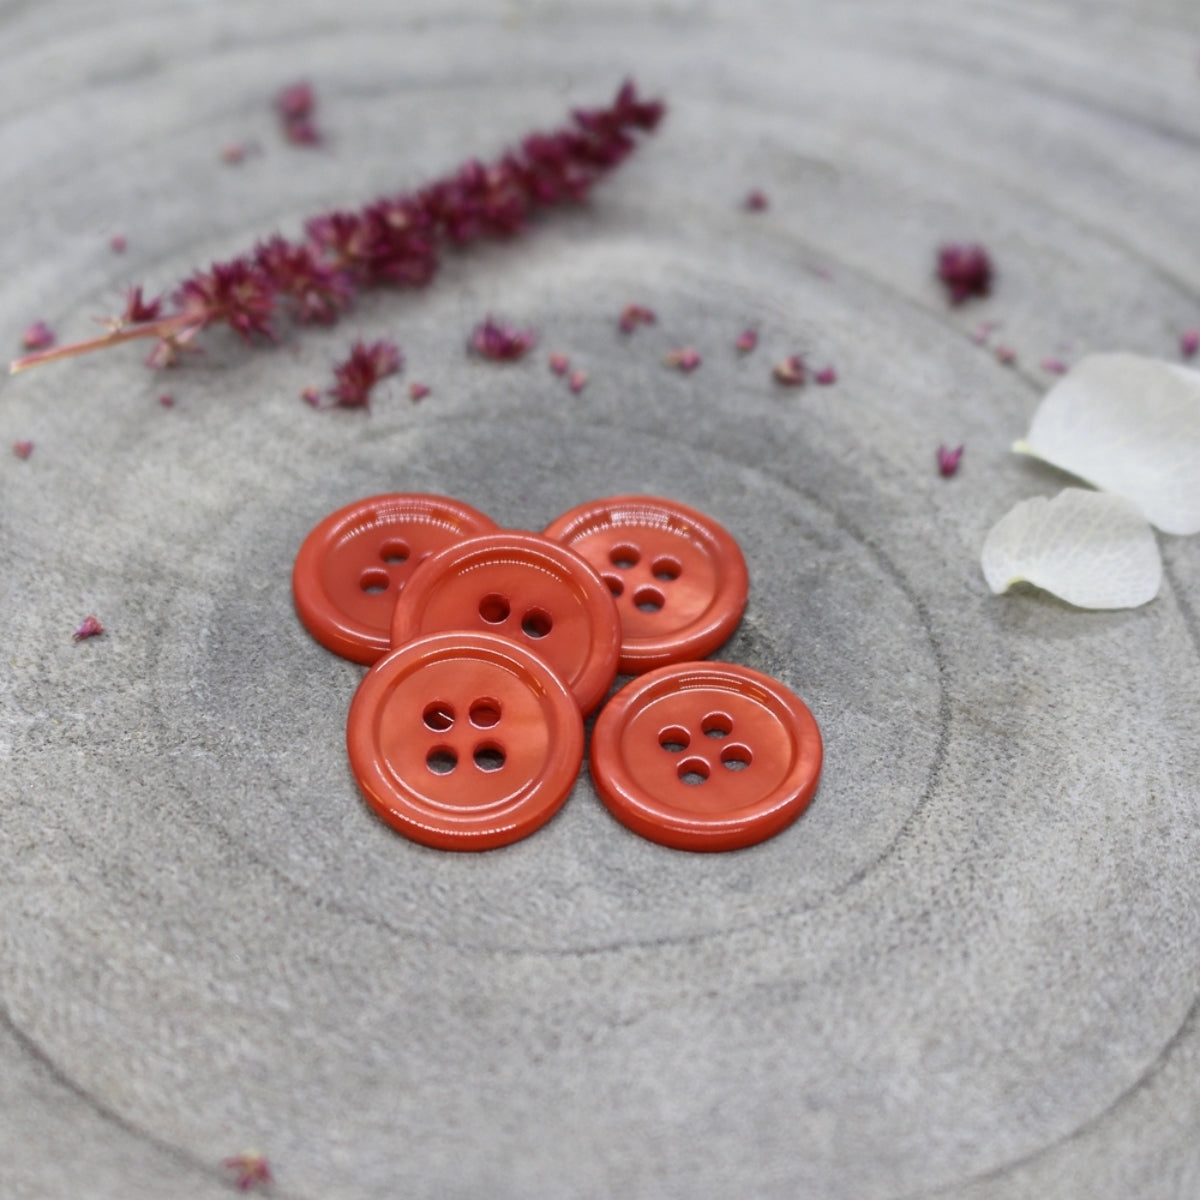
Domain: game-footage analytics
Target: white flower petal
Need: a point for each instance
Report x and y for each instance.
(1091, 549)
(1129, 425)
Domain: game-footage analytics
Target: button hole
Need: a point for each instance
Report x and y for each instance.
(373, 581)
(494, 609)
(489, 756)
(441, 760)
(674, 740)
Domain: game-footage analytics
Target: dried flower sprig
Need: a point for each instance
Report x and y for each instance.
(395, 240)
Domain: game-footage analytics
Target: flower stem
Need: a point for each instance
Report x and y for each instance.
(114, 338)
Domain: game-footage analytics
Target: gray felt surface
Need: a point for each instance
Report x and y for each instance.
(969, 971)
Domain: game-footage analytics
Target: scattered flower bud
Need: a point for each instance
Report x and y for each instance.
(358, 375)
(792, 371)
(633, 315)
(234, 153)
(1005, 355)
(578, 381)
(965, 270)
(755, 201)
(22, 449)
(38, 336)
(295, 105)
(983, 331)
(117, 243)
(311, 395)
(167, 400)
(560, 364)
(1055, 366)
(948, 460)
(501, 343)
(826, 376)
(747, 341)
(687, 359)
(418, 391)
(89, 629)
(1189, 343)
(249, 1169)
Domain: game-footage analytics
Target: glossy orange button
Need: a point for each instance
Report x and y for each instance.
(352, 566)
(522, 586)
(464, 741)
(706, 756)
(678, 577)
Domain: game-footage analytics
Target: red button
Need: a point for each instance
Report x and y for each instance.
(352, 566)
(706, 756)
(524, 587)
(464, 741)
(679, 579)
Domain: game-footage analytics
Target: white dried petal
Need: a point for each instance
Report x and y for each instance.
(1129, 425)
(1091, 549)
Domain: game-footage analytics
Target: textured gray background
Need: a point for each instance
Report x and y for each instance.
(969, 971)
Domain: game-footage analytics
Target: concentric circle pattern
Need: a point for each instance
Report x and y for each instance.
(968, 972)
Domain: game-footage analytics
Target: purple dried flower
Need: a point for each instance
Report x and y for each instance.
(318, 292)
(501, 343)
(38, 336)
(249, 1169)
(1189, 343)
(792, 371)
(747, 341)
(948, 460)
(686, 359)
(90, 628)
(826, 376)
(577, 381)
(965, 270)
(633, 315)
(359, 374)
(295, 105)
(138, 310)
(560, 364)
(755, 201)
(237, 293)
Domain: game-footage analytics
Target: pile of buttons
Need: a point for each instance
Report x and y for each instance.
(487, 647)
